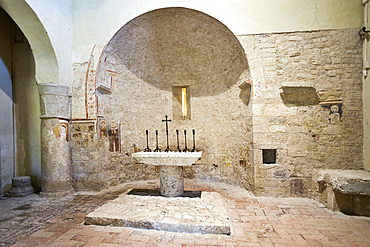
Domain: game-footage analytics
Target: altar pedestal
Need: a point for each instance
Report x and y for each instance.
(171, 180)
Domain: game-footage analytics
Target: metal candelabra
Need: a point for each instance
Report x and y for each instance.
(157, 149)
(186, 148)
(156, 141)
(193, 150)
(147, 149)
(178, 145)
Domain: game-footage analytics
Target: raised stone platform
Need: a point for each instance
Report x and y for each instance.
(347, 191)
(346, 181)
(207, 214)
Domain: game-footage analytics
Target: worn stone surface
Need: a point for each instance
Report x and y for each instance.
(55, 169)
(54, 101)
(171, 180)
(55, 149)
(304, 136)
(21, 186)
(347, 191)
(168, 158)
(346, 181)
(207, 214)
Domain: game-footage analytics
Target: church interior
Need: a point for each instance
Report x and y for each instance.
(184, 123)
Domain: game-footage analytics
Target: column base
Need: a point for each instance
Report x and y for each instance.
(57, 194)
(21, 187)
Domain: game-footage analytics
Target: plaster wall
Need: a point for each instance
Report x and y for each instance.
(26, 111)
(6, 105)
(21, 13)
(56, 17)
(6, 128)
(5, 40)
(18, 91)
(95, 22)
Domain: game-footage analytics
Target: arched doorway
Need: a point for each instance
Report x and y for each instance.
(30, 60)
(20, 119)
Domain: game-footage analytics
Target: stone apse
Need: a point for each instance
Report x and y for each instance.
(268, 109)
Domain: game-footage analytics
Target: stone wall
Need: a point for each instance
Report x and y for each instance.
(88, 156)
(135, 79)
(94, 167)
(237, 108)
(305, 134)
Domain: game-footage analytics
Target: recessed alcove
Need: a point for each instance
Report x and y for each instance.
(163, 67)
(269, 156)
(181, 107)
(299, 93)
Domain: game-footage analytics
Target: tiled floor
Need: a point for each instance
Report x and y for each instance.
(255, 221)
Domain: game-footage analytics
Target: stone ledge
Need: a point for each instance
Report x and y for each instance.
(346, 181)
(347, 191)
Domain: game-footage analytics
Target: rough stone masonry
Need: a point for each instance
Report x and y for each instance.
(233, 125)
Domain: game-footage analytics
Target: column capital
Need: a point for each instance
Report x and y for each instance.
(54, 101)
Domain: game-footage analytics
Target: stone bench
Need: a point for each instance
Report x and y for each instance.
(347, 191)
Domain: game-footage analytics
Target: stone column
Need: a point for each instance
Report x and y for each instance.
(171, 181)
(55, 149)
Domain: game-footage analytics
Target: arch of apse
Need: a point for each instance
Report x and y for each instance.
(234, 40)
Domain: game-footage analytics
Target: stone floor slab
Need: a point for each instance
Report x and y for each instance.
(207, 214)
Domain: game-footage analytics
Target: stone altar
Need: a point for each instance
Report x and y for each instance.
(171, 168)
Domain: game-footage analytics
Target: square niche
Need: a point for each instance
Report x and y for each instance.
(269, 156)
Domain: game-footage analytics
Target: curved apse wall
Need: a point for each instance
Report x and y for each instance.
(179, 47)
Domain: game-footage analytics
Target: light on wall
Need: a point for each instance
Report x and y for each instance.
(183, 103)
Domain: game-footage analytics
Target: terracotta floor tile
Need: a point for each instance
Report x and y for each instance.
(110, 238)
(255, 222)
(81, 238)
(113, 229)
(95, 241)
(110, 245)
(43, 234)
(313, 243)
(66, 243)
(138, 237)
(125, 234)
